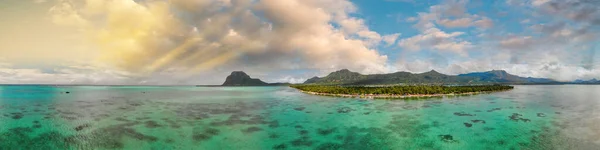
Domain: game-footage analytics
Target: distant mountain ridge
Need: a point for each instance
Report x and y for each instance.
(240, 78)
(592, 81)
(348, 77)
(501, 76)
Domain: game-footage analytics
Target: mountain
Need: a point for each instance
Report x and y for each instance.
(501, 76)
(353, 78)
(347, 77)
(592, 81)
(240, 78)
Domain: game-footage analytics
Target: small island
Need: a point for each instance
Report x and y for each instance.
(240, 78)
(413, 91)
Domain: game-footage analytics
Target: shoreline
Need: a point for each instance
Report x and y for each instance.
(392, 96)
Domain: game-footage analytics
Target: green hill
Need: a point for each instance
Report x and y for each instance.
(240, 78)
(346, 77)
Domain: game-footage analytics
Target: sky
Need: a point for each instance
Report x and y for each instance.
(189, 42)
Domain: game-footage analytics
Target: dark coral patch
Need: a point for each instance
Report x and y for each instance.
(81, 127)
(329, 146)
(325, 132)
(303, 141)
(518, 117)
(121, 119)
(501, 142)
(463, 114)
(212, 131)
(344, 110)
(206, 134)
(541, 115)
(273, 136)
(152, 124)
(169, 141)
(447, 138)
(495, 109)
(17, 115)
(468, 125)
(137, 135)
(252, 129)
(299, 108)
(274, 124)
(280, 147)
(200, 137)
(478, 121)
(303, 132)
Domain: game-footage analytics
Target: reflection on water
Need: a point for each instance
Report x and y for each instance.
(528, 117)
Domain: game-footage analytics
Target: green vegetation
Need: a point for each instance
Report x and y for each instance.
(400, 90)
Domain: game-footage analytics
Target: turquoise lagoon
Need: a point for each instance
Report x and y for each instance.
(140, 117)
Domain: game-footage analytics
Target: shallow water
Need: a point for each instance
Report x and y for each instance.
(128, 117)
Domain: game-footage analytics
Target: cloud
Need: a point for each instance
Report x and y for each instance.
(450, 14)
(538, 2)
(40, 1)
(75, 73)
(517, 42)
(291, 79)
(390, 39)
(582, 11)
(196, 36)
(558, 44)
(436, 39)
(405, 1)
(462, 22)
(515, 2)
(484, 23)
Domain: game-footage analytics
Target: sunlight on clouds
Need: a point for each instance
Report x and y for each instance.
(150, 36)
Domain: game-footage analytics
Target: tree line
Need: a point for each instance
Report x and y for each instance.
(401, 90)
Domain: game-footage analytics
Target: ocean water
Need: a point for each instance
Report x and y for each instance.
(138, 117)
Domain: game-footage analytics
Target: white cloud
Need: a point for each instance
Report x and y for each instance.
(484, 23)
(451, 14)
(290, 79)
(391, 39)
(75, 74)
(539, 2)
(40, 1)
(462, 22)
(436, 39)
(412, 19)
(517, 42)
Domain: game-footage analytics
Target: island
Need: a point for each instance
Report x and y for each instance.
(240, 78)
(345, 83)
(391, 92)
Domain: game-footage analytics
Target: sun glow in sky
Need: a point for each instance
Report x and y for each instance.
(202, 41)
